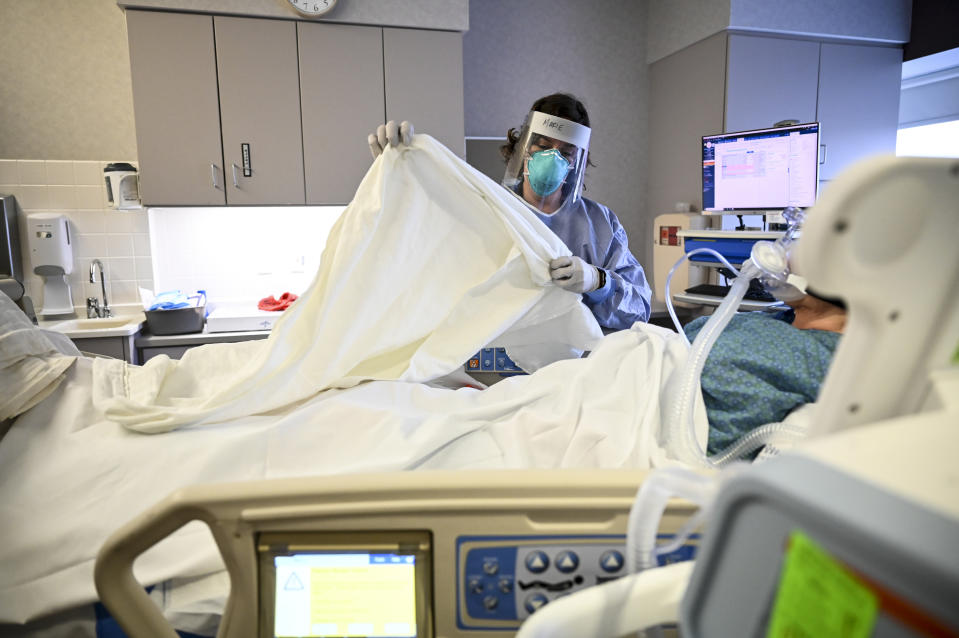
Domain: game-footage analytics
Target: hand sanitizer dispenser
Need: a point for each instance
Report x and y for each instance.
(51, 253)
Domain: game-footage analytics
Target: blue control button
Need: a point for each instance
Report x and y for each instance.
(484, 569)
(487, 360)
(537, 562)
(534, 602)
(505, 585)
(567, 561)
(611, 561)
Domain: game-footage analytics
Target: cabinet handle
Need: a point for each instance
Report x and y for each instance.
(213, 171)
(236, 183)
(822, 153)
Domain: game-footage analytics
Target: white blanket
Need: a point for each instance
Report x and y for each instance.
(69, 477)
(430, 262)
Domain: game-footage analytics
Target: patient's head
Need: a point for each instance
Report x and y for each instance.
(817, 312)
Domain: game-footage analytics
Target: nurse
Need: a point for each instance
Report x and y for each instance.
(545, 165)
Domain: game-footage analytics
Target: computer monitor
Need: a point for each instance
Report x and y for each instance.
(761, 171)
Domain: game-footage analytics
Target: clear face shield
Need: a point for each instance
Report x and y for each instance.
(549, 160)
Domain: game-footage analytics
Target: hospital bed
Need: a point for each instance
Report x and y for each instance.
(459, 527)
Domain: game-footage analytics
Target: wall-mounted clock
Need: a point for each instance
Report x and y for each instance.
(312, 8)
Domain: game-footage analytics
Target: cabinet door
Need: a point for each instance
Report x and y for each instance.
(769, 80)
(424, 83)
(260, 110)
(176, 108)
(342, 99)
(858, 103)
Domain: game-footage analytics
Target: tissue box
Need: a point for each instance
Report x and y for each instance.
(177, 321)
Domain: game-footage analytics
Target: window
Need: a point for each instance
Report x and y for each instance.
(930, 140)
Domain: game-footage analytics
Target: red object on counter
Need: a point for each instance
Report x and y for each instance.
(269, 303)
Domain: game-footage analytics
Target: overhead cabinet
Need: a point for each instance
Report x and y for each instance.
(243, 111)
(177, 108)
(216, 102)
(342, 96)
(259, 84)
(851, 89)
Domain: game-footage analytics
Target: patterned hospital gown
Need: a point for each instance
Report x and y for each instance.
(760, 369)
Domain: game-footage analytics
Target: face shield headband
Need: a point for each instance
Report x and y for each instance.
(548, 162)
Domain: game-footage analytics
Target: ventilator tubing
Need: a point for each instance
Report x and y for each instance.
(760, 437)
(682, 428)
(669, 279)
(647, 511)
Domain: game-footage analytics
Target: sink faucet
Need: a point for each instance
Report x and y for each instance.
(94, 309)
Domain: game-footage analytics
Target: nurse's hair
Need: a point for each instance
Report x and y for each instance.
(561, 105)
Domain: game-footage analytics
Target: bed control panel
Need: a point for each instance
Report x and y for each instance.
(492, 360)
(502, 580)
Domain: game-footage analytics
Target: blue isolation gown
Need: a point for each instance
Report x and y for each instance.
(593, 233)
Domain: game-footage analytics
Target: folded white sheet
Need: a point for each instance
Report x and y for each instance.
(430, 262)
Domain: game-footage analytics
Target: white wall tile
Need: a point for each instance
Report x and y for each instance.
(89, 197)
(33, 197)
(88, 173)
(120, 221)
(60, 172)
(144, 268)
(121, 268)
(32, 172)
(89, 222)
(141, 245)
(141, 224)
(8, 172)
(124, 292)
(90, 246)
(62, 197)
(120, 245)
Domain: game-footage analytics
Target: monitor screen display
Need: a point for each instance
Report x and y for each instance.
(332, 584)
(347, 594)
(761, 170)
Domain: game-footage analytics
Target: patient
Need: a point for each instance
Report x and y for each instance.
(765, 365)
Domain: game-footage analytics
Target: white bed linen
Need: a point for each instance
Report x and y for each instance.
(430, 262)
(69, 477)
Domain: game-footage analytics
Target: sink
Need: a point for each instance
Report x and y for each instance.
(106, 327)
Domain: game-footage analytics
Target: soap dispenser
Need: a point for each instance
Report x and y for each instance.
(51, 253)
